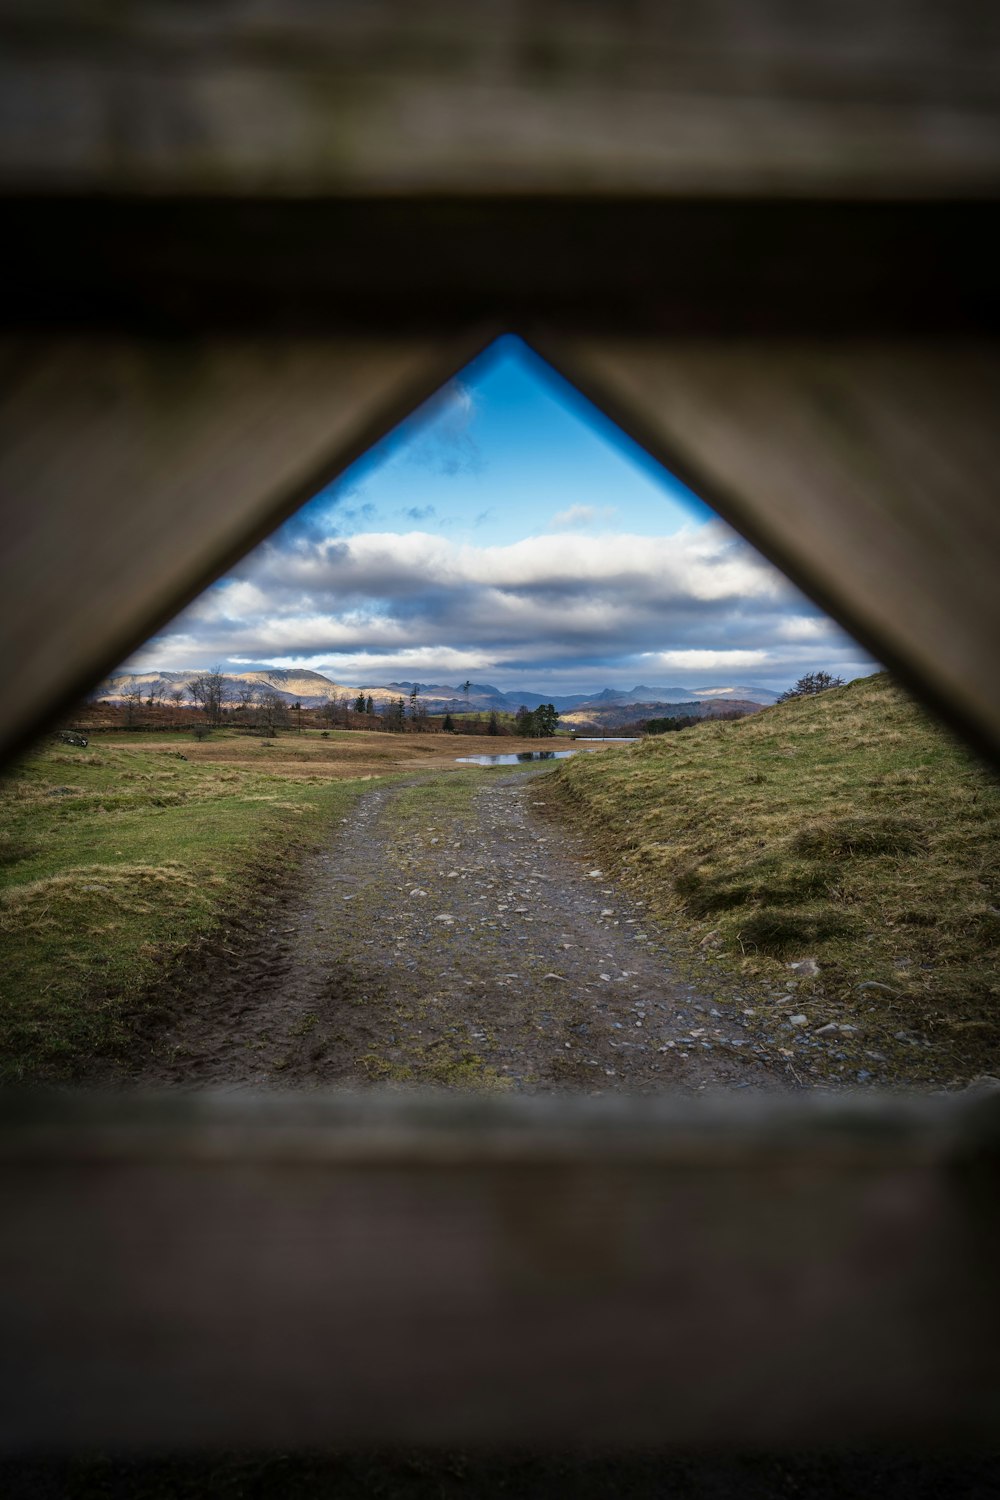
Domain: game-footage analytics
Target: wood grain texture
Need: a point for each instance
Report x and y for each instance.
(331, 1271)
(867, 471)
(133, 473)
(416, 96)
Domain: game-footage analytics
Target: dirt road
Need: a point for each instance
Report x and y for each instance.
(448, 933)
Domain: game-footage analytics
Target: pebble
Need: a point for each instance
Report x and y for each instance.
(799, 1020)
(444, 916)
(596, 874)
(417, 891)
(560, 977)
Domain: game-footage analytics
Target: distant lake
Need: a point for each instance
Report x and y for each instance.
(521, 757)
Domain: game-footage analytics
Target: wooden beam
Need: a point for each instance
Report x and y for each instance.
(133, 473)
(324, 1271)
(419, 96)
(866, 470)
(432, 267)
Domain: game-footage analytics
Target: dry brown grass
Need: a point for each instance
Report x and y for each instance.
(845, 828)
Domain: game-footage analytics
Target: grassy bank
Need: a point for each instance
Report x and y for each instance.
(116, 857)
(844, 829)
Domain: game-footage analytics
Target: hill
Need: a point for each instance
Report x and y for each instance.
(619, 715)
(313, 689)
(844, 833)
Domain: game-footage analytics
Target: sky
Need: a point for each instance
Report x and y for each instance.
(509, 533)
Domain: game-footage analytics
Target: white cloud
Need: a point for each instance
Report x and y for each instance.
(582, 515)
(709, 661)
(805, 628)
(567, 608)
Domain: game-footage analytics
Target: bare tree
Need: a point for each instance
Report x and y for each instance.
(132, 699)
(272, 710)
(210, 690)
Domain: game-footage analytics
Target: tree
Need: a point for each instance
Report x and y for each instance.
(272, 710)
(448, 726)
(665, 726)
(210, 690)
(132, 699)
(359, 704)
(369, 704)
(494, 724)
(810, 684)
(546, 719)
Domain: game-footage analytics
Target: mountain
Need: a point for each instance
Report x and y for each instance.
(607, 716)
(313, 689)
(763, 696)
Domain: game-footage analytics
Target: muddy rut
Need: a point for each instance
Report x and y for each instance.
(446, 934)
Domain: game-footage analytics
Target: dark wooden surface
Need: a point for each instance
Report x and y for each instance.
(431, 266)
(835, 96)
(330, 1270)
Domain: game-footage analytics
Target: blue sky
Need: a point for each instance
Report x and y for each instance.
(508, 532)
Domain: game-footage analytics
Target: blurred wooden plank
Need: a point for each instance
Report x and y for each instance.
(417, 96)
(133, 473)
(327, 1271)
(867, 471)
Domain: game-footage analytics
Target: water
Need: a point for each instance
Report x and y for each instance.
(520, 758)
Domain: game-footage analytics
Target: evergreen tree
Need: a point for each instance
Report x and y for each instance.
(546, 719)
(370, 705)
(448, 727)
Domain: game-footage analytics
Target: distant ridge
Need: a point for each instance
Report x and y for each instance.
(313, 689)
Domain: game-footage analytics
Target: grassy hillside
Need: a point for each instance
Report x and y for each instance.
(846, 829)
(111, 861)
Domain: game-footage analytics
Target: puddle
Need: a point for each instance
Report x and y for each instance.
(520, 758)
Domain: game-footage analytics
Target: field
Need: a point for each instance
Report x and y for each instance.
(115, 858)
(834, 859)
(844, 833)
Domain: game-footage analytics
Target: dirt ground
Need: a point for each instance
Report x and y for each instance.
(450, 935)
(340, 754)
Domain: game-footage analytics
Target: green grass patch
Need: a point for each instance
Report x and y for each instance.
(846, 828)
(112, 861)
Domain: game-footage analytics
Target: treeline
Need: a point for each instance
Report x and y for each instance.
(268, 714)
(666, 724)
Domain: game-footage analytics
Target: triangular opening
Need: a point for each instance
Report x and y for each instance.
(506, 568)
(511, 535)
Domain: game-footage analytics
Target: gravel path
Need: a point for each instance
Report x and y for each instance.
(447, 934)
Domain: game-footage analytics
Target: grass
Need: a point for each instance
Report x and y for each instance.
(114, 859)
(846, 829)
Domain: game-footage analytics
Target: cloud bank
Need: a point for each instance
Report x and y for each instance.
(567, 611)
